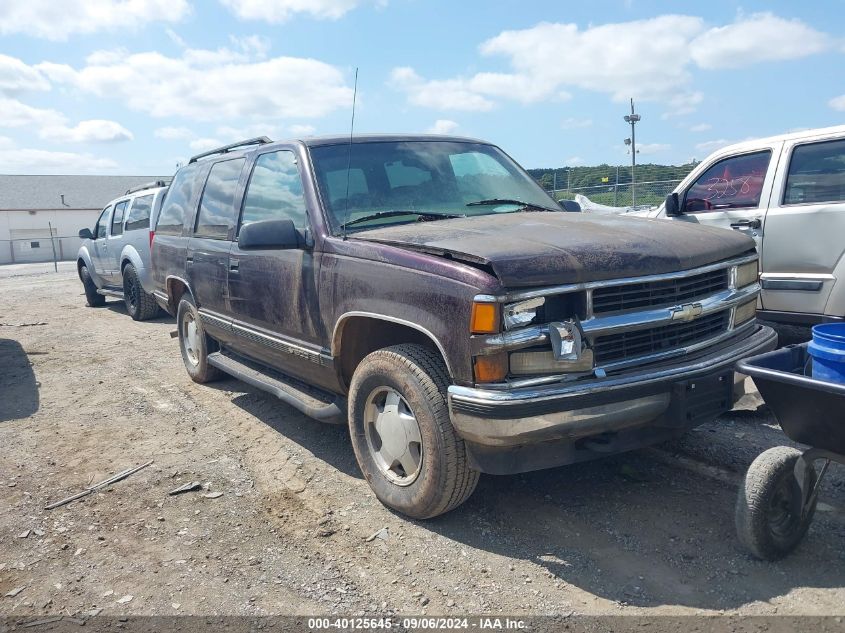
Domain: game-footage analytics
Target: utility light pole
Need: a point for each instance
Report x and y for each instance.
(632, 119)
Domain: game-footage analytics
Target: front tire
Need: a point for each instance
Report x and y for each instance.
(195, 344)
(403, 439)
(95, 300)
(140, 305)
(769, 518)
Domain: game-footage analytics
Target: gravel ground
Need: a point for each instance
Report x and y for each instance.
(86, 393)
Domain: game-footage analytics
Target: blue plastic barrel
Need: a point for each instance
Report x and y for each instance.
(828, 351)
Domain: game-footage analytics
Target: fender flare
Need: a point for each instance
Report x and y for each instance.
(85, 257)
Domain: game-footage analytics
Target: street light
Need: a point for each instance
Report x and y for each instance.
(632, 119)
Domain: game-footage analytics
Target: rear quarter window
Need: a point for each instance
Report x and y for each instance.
(180, 197)
(139, 213)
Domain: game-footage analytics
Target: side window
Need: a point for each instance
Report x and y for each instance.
(217, 214)
(816, 174)
(102, 223)
(139, 213)
(732, 183)
(179, 196)
(275, 190)
(117, 218)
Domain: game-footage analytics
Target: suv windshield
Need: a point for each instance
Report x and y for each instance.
(428, 179)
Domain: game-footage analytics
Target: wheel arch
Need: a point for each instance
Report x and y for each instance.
(358, 334)
(176, 287)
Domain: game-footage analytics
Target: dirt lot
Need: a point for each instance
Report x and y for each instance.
(86, 393)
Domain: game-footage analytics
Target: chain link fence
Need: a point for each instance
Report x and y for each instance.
(640, 194)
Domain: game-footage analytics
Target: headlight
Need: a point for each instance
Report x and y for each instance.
(745, 312)
(522, 313)
(745, 275)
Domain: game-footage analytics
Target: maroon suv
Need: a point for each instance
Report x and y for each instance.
(426, 290)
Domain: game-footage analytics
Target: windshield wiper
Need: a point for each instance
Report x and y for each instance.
(422, 216)
(521, 203)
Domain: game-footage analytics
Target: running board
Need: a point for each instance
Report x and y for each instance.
(314, 403)
(107, 292)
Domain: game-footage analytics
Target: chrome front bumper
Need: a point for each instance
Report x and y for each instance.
(583, 408)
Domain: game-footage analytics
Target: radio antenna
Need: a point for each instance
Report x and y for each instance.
(349, 154)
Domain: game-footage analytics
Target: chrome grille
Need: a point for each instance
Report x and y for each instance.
(658, 293)
(626, 345)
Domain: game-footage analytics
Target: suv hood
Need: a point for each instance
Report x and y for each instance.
(539, 248)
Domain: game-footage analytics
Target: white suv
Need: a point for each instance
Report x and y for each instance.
(788, 193)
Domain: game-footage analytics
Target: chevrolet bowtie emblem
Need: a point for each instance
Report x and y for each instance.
(687, 312)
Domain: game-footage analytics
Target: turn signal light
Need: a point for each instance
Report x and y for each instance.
(492, 368)
(484, 318)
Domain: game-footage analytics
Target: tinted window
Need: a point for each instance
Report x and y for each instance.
(275, 190)
(816, 174)
(117, 218)
(102, 222)
(179, 197)
(732, 183)
(217, 213)
(139, 213)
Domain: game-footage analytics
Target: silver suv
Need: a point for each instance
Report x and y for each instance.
(114, 259)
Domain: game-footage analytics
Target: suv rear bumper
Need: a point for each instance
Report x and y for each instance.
(662, 395)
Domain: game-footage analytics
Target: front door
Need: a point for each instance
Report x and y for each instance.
(733, 193)
(99, 245)
(273, 292)
(805, 226)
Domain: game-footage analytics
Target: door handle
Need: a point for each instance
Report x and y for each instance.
(747, 224)
(233, 265)
(189, 260)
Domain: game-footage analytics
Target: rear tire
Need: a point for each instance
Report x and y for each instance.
(140, 305)
(402, 435)
(768, 507)
(195, 344)
(95, 300)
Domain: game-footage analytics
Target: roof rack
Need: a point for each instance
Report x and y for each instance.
(258, 140)
(149, 185)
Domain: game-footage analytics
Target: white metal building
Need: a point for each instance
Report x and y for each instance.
(33, 206)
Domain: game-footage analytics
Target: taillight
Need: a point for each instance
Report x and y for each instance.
(152, 235)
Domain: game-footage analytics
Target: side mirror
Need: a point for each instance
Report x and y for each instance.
(269, 234)
(86, 234)
(673, 205)
(570, 205)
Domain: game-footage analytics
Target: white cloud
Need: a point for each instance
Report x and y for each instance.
(711, 146)
(16, 76)
(572, 161)
(650, 59)
(277, 11)
(91, 131)
(574, 124)
(13, 113)
(760, 37)
(173, 133)
(37, 161)
(442, 126)
(652, 148)
(205, 85)
(700, 127)
(450, 94)
(53, 20)
(302, 130)
(203, 144)
(837, 103)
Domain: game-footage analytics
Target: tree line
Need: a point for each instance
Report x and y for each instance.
(583, 176)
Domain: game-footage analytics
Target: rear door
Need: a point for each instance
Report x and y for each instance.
(733, 193)
(169, 249)
(209, 245)
(805, 227)
(273, 292)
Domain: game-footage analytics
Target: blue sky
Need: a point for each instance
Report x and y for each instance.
(135, 86)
